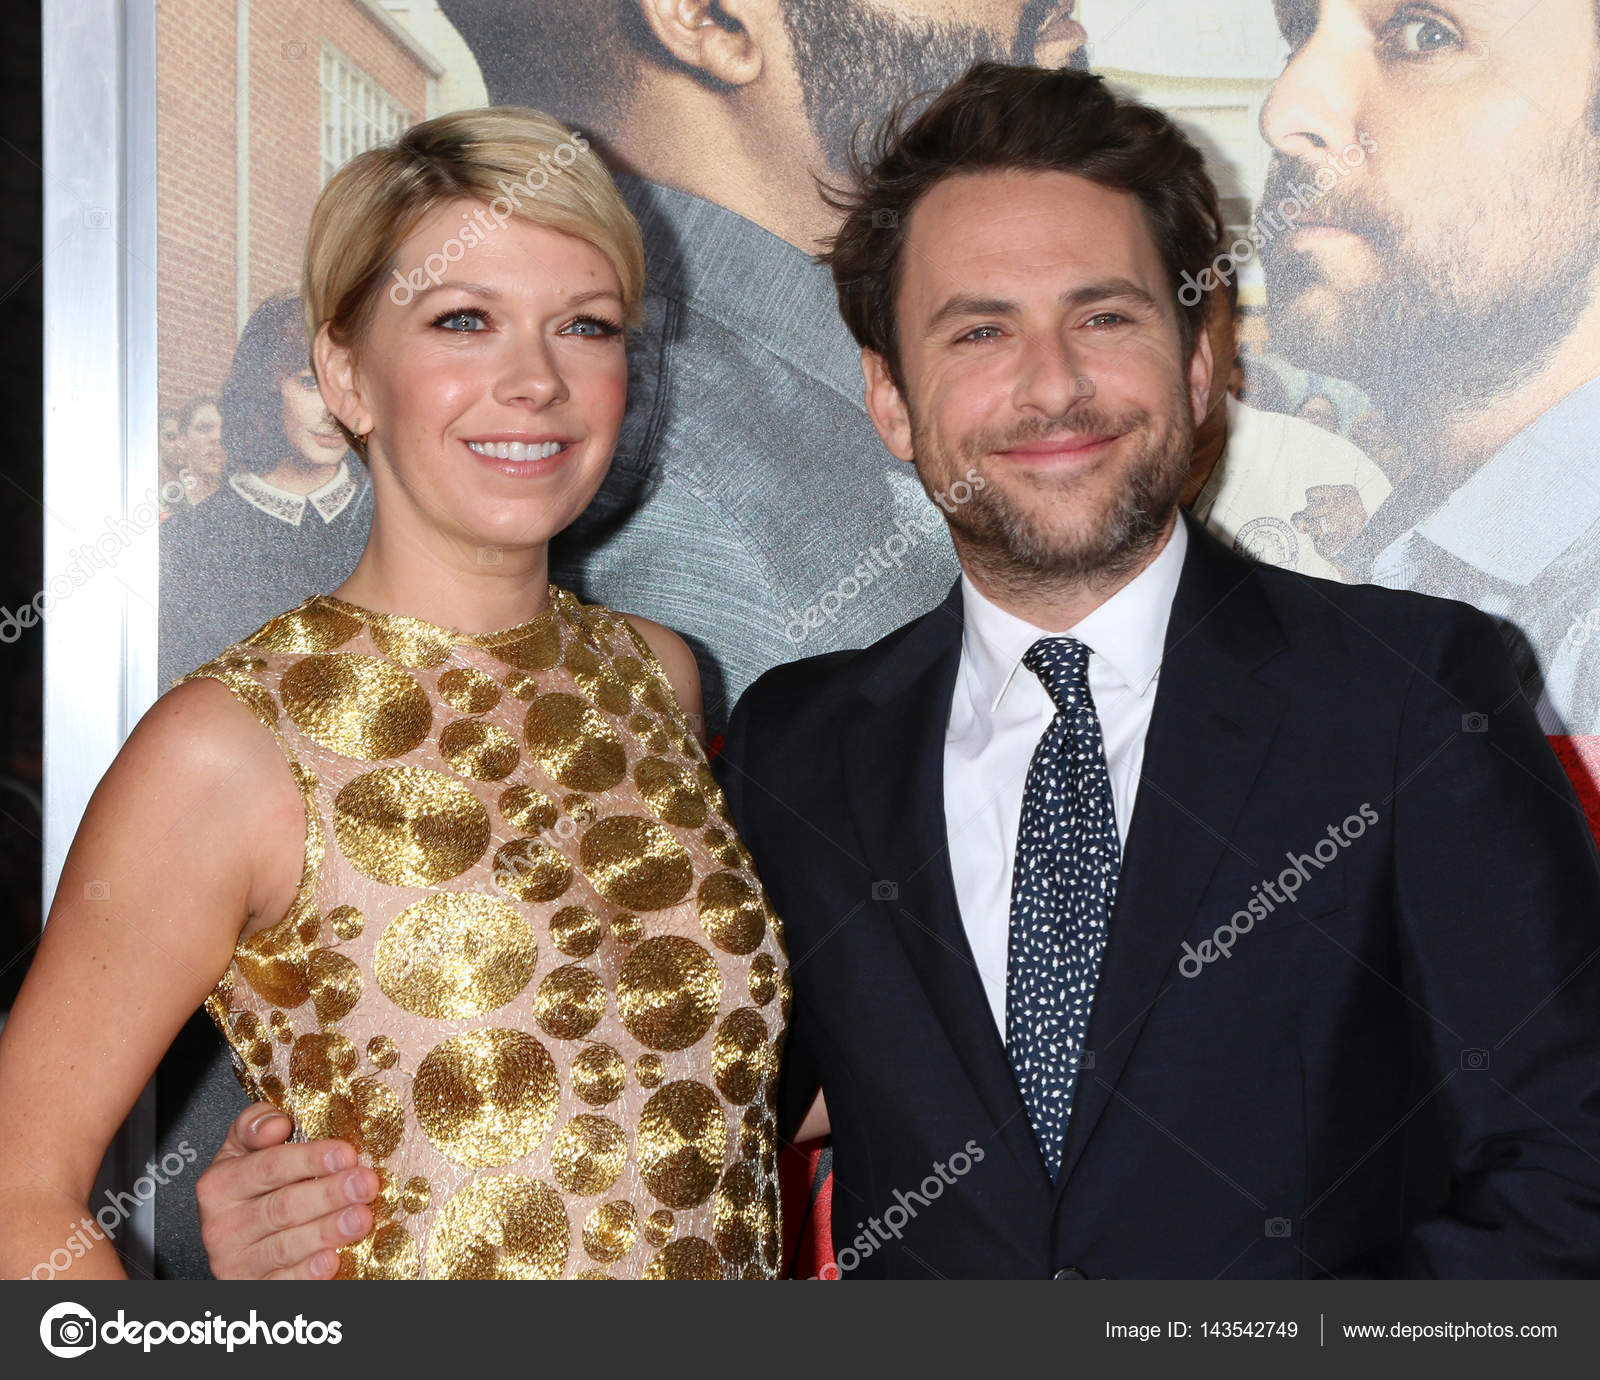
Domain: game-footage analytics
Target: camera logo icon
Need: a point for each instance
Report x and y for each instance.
(1474, 723)
(885, 891)
(1474, 1060)
(1277, 1226)
(67, 1329)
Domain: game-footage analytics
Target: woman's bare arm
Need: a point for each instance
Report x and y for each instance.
(194, 834)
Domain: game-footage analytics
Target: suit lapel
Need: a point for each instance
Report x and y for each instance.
(1210, 732)
(895, 770)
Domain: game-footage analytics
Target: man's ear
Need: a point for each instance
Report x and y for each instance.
(886, 405)
(1200, 366)
(339, 382)
(711, 36)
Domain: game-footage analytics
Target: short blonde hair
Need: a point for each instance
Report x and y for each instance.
(521, 163)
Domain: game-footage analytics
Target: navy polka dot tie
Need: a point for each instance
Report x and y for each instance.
(1062, 890)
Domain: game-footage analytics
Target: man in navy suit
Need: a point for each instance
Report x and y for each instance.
(1151, 913)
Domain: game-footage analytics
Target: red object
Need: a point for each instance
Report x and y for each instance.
(807, 1214)
(1581, 758)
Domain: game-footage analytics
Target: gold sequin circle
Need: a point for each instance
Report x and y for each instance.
(572, 741)
(502, 1227)
(588, 1154)
(356, 705)
(681, 1141)
(455, 954)
(636, 863)
(668, 991)
(487, 1097)
(409, 826)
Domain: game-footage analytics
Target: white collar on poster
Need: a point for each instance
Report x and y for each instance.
(330, 500)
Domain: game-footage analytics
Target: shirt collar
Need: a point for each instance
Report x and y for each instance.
(329, 499)
(1530, 500)
(1128, 631)
(746, 279)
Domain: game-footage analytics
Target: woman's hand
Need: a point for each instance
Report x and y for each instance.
(274, 1211)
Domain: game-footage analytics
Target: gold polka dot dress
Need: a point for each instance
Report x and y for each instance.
(530, 973)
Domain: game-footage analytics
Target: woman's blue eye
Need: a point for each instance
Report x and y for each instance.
(453, 320)
(598, 326)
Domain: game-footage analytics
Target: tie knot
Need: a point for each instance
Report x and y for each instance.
(1062, 665)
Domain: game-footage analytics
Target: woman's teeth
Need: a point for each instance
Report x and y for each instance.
(516, 450)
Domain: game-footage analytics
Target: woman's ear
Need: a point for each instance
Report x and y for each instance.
(339, 382)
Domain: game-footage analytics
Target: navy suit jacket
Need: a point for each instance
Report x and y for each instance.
(1394, 1072)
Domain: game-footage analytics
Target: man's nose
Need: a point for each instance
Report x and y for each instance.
(1054, 376)
(1312, 107)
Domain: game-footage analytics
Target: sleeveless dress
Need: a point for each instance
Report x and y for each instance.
(529, 972)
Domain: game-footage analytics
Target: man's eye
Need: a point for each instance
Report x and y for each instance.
(1420, 36)
(976, 333)
(1106, 318)
(468, 321)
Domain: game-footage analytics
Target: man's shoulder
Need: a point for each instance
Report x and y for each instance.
(1357, 621)
(815, 688)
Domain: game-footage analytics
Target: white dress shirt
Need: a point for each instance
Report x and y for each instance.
(1000, 711)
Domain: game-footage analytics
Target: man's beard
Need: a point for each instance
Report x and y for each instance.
(856, 60)
(1461, 321)
(1016, 545)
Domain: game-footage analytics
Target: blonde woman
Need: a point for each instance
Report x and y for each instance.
(439, 850)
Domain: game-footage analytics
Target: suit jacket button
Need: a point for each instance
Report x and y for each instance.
(1070, 1272)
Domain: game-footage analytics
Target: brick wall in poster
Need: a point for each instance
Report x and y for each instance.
(197, 160)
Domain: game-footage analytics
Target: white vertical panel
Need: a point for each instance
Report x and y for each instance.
(101, 473)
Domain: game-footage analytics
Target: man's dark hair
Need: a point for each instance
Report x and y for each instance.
(1000, 118)
(271, 348)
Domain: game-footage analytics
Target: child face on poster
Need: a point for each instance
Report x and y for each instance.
(313, 434)
(494, 396)
(202, 442)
